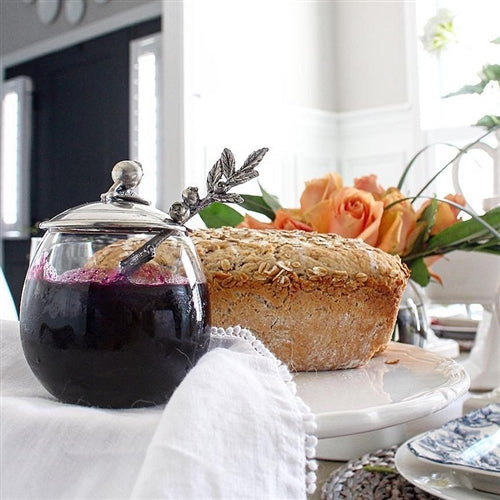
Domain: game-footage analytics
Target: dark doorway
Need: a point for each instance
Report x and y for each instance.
(80, 129)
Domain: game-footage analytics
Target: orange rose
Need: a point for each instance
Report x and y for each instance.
(284, 219)
(369, 183)
(318, 190)
(289, 219)
(398, 223)
(252, 223)
(350, 212)
(318, 216)
(446, 215)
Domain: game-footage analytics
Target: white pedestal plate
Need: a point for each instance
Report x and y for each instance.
(382, 403)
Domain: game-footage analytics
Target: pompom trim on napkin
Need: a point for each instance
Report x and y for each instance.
(308, 419)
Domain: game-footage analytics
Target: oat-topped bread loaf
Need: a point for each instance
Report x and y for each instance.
(317, 301)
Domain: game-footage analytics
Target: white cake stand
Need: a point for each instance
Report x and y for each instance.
(375, 406)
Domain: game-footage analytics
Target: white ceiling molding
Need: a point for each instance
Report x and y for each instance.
(148, 10)
(48, 10)
(74, 10)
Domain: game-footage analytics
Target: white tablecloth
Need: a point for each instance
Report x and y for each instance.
(233, 429)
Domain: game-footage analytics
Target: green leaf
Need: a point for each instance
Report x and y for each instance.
(488, 121)
(424, 226)
(494, 249)
(490, 247)
(429, 217)
(271, 200)
(469, 89)
(496, 40)
(380, 468)
(257, 204)
(465, 231)
(218, 215)
(419, 272)
(491, 72)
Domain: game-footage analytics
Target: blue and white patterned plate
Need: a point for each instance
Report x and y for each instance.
(470, 444)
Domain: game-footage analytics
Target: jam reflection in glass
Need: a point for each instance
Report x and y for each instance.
(95, 338)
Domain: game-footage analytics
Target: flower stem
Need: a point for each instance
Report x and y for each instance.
(458, 155)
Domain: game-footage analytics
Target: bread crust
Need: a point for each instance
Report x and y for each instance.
(318, 301)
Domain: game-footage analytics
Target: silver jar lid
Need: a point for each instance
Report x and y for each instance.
(120, 208)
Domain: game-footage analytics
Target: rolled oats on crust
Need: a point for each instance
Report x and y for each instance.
(318, 301)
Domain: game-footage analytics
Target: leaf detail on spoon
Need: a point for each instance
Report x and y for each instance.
(222, 177)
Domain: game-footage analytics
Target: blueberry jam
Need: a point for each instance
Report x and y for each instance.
(102, 340)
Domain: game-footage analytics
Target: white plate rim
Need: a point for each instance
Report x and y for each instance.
(348, 422)
(413, 468)
(457, 467)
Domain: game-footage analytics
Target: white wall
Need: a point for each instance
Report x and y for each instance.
(377, 91)
(370, 54)
(257, 74)
(323, 84)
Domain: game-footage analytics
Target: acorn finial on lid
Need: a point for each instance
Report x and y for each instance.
(126, 175)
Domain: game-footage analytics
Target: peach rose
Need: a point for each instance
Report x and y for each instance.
(318, 216)
(253, 223)
(446, 215)
(397, 224)
(318, 190)
(289, 219)
(284, 219)
(369, 183)
(350, 212)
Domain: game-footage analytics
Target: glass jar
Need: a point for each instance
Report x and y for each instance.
(100, 324)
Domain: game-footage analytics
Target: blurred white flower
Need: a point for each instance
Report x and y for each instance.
(439, 32)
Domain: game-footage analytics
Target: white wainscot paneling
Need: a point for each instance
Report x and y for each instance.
(380, 142)
(311, 150)
(387, 167)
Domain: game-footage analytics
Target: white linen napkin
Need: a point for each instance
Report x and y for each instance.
(233, 429)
